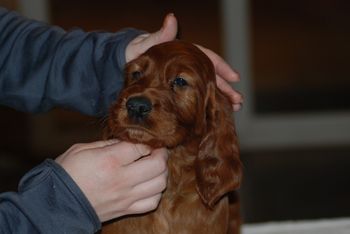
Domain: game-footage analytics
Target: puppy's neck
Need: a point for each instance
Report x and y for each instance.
(181, 166)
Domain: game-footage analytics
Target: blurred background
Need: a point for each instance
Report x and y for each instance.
(294, 129)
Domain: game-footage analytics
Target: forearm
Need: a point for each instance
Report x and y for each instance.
(42, 66)
(48, 201)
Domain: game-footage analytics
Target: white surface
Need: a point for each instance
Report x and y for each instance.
(35, 9)
(329, 226)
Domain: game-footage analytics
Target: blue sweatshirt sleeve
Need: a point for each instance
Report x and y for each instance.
(48, 201)
(43, 66)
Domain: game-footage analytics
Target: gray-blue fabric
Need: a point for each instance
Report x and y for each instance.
(42, 67)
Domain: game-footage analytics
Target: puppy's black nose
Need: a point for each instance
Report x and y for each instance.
(138, 107)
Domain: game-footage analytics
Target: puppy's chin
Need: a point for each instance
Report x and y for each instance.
(138, 135)
(144, 136)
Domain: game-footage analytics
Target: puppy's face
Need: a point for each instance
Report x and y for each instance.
(164, 96)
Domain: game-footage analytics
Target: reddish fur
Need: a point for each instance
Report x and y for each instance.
(195, 124)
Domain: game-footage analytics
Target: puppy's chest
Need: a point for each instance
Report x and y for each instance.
(181, 208)
(181, 192)
(181, 186)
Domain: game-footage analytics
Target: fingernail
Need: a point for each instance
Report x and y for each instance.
(237, 107)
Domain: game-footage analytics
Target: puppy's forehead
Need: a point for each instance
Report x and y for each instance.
(169, 51)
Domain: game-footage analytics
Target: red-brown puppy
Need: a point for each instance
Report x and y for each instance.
(170, 99)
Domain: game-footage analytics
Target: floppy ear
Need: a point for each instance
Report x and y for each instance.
(218, 167)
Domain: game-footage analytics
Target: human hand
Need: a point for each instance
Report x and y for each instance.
(118, 178)
(224, 73)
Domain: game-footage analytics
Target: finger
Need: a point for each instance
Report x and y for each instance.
(237, 107)
(85, 146)
(147, 168)
(235, 97)
(145, 205)
(167, 32)
(124, 152)
(99, 144)
(160, 152)
(222, 68)
(151, 187)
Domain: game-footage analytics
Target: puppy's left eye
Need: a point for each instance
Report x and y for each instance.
(179, 81)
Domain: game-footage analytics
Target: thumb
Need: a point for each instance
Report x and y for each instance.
(143, 42)
(167, 32)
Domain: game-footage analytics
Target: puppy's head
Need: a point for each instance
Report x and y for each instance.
(164, 94)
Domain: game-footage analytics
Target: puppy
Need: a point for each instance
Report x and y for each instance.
(170, 99)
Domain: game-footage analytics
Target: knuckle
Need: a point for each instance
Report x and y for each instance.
(163, 183)
(160, 163)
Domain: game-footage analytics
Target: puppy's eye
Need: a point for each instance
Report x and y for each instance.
(136, 75)
(180, 82)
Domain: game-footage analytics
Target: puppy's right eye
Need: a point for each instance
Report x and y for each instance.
(180, 82)
(136, 75)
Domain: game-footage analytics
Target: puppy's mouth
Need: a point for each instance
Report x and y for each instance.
(138, 134)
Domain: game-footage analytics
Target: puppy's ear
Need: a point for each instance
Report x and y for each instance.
(218, 167)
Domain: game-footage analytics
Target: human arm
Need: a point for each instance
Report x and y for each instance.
(43, 66)
(88, 184)
(47, 201)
